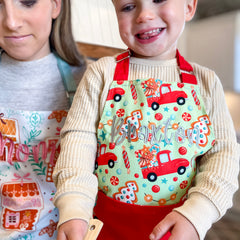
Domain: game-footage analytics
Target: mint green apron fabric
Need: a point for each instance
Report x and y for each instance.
(149, 137)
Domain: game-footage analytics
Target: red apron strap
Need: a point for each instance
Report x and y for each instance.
(122, 67)
(186, 70)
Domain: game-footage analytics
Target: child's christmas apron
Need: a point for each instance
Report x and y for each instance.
(29, 147)
(149, 137)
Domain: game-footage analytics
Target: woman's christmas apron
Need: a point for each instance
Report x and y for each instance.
(29, 147)
(149, 137)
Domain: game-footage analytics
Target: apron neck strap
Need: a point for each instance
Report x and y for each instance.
(186, 70)
(1, 51)
(122, 68)
(67, 77)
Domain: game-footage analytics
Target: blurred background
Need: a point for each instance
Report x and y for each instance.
(211, 39)
(208, 8)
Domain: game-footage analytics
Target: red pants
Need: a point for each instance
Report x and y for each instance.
(124, 221)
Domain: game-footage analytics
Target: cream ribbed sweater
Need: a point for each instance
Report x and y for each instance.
(218, 169)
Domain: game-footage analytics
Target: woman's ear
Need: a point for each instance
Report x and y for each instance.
(191, 6)
(57, 4)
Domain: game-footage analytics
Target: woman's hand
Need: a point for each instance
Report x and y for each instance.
(180, 227)
(74, 229)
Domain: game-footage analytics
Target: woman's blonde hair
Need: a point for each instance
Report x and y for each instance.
(61, 38)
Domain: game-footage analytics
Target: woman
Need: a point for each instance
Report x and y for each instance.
(40, 67)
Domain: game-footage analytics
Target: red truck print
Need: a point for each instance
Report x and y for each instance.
(165, 166)
(115, 94)
(166, 96)
(105, 158)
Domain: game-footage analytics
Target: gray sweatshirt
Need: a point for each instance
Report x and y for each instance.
(34, 85)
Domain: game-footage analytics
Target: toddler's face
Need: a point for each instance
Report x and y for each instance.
(25, 26)
(151, 28)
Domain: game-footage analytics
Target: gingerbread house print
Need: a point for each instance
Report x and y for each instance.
(21, 203)
(9, 129)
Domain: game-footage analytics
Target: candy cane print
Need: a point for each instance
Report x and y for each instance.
(134, 92)
(196, 100)
(126, 160)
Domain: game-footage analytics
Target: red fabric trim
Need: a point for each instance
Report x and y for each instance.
(128, 221)
(188, 78)
(122, 67)
(182, 63)
(123, 55)
(185, 66)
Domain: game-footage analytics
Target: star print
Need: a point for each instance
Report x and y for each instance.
(167, 143)
(164, 180)
(50, 229)
(59, 115)
(166, 109)
(103, 135)
(25, 237)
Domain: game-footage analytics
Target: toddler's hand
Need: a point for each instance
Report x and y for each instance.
(74, 229)
(180, 227)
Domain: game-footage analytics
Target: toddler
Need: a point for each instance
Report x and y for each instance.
(167, 157)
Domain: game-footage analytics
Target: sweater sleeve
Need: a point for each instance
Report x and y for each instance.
(216, 180)
(73, 174)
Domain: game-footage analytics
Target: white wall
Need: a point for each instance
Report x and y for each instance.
(233, 101)
(215, 42)
(237, 54)
(95, 22)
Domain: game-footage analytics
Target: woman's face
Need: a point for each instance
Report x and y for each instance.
(25, 26)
